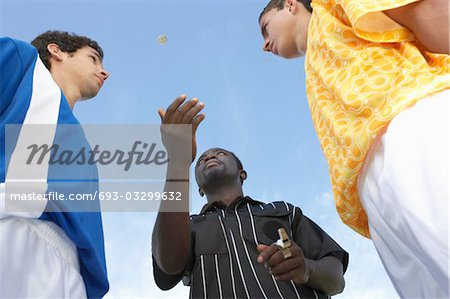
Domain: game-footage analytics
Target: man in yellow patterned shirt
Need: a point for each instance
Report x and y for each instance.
(378, 86)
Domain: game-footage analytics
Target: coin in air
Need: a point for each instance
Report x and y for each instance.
(162, 39)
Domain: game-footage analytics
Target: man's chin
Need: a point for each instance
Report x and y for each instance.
(213, 170)
(292, 55)
(89, 95)
(213, 173)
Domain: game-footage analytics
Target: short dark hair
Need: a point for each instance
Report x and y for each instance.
(67, 42)
(279, 5)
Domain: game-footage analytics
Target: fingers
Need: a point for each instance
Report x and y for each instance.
(286, 276)
(299, 276)
(174, 106)
(281, 268)
(267, 253)
(285, 266)
(191, 112)
(261, 247)
(161, 113)
(196, 122)
(278, 257)
(181, 112)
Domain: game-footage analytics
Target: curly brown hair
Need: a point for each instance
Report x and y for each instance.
(67, 42)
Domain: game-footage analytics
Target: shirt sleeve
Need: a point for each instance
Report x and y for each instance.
(167, 281)
(370, 23)
(316, 243)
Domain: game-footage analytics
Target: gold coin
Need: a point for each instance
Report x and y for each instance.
(162, 39)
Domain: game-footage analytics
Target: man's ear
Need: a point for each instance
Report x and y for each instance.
(292, 5)
(55, 51)
(243, 176)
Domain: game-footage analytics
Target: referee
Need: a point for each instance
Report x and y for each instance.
(236, 247)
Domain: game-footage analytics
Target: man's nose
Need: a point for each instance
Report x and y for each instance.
(209, 157)
(104, 74)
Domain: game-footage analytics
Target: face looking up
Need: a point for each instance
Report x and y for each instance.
(285, 31)
(215, 166)
(80, 73)
(85, 68)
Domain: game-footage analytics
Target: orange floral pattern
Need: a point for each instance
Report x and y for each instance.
(362, 69)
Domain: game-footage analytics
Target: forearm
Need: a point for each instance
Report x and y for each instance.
(429, 20)
(171, 233)
(325, 275)
(171, 241)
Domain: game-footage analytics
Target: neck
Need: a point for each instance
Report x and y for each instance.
(302, 36)
(225, 194)
(71, 93)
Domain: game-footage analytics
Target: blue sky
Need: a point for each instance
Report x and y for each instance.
(255, 106)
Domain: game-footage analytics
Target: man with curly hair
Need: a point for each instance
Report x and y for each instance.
(50, 251)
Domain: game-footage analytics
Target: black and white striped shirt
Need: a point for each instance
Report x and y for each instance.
(223, 263)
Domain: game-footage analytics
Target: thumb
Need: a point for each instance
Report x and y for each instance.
(261, 247)
(161, 113)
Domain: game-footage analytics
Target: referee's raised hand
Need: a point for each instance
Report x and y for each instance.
(179, 113)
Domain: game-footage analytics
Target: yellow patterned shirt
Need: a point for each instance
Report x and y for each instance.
(362, 69)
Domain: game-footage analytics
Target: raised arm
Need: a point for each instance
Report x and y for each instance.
(171, 234)
(429, 20)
